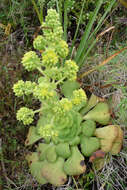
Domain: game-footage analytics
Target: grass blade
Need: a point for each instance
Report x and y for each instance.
(65, 19)
(59, 9)
(77, 29)
(40, 17)
(87, 31)
(86, 51)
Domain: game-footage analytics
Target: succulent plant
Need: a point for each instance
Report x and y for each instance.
(66, 131)
(69, 128)
(56, 159)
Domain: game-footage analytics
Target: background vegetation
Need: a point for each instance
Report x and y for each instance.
(19, 25)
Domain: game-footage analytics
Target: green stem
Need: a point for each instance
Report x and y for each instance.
(37, 11)
(59, 81)
(37, 111)
(41, 71)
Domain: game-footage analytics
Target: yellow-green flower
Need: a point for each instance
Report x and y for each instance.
(49, 58)
(79, 96)
(52, 19)
(18, 88)
(54, 73)
(47, 131)
(62, 49)
(21, 88)
(31, 61)
(70, 70)
(29, 86)
(63, 106)
(52, 27)
(39, 42)
(58, 32)
(44, 91)
(25, 115)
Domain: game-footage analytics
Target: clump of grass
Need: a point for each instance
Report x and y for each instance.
(114, 174)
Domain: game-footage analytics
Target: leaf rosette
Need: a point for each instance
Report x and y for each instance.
(68, 127)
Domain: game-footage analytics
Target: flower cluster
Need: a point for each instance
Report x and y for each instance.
(21, 88)
(29, 87)
(79, 96)
(25, 115)
(54, 73)
(18, 88)
(52, 27)
(47, 131)
(63, 106)
(39, 42)
(31, 61)
(71, 70)
(49, 58)
(44, 91)
(52, 19)
(62, 49)
(54, 48)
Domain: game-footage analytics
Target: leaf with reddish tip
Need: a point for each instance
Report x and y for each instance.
(97, 154)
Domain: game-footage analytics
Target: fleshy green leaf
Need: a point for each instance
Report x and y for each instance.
(68, 87)
(32, 136)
